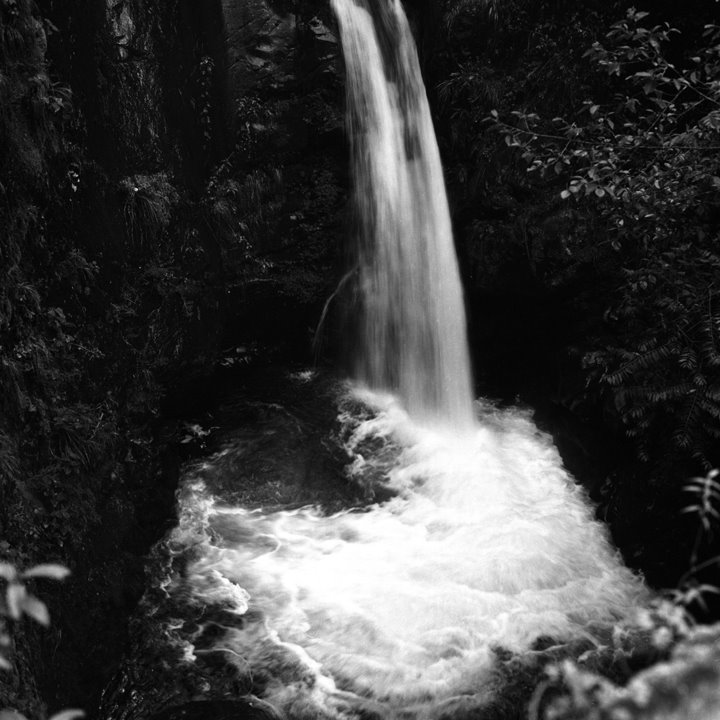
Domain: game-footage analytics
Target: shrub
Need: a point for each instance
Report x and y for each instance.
(19, 603)
(644, 162)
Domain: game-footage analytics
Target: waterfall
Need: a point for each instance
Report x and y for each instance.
(393, 609)
(413, 329)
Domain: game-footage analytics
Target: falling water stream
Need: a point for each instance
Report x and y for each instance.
(461, 532)
(413, 320)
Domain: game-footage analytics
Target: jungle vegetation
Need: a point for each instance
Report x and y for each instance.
(143, 245)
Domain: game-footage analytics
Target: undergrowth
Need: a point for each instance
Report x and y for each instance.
(642, 159)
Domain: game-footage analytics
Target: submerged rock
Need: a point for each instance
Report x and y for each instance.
(684, 687)
(250, 708)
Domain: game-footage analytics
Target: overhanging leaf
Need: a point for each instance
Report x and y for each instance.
(68, 715)
(48, 570)
(11, 715)
(15, 597)
(7, 571)
(36, 609)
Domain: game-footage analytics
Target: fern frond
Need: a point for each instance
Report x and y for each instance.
(710, 407)
(642, 395)
(641, 362)
(711, 121)
(458, 7)
(710, 347)
(688, 359)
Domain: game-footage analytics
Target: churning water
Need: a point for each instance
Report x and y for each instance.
(395, 608)
(392, 609)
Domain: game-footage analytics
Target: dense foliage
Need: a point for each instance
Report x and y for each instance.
(645, 165)
(583, 147)
(146, 232)
(145, 238)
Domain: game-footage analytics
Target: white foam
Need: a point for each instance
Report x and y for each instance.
(488, 543)
(412, 318)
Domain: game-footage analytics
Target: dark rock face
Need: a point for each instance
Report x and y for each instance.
(271, 48)
(282, 86)
(115, 52)
(122, 26)
(282, 123)
(135, 93)
(259, 45)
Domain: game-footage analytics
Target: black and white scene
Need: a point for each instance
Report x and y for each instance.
(359, 360)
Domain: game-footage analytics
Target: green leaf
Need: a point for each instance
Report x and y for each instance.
(36, 609)
(15, 597)
(68, 715)
(48, 570)
(11, 715)
(7, 571)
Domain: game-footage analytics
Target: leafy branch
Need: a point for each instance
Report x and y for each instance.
(644, 163)
(17, 602)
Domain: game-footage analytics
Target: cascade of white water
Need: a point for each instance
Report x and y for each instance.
(413, 337)
(394, 610)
